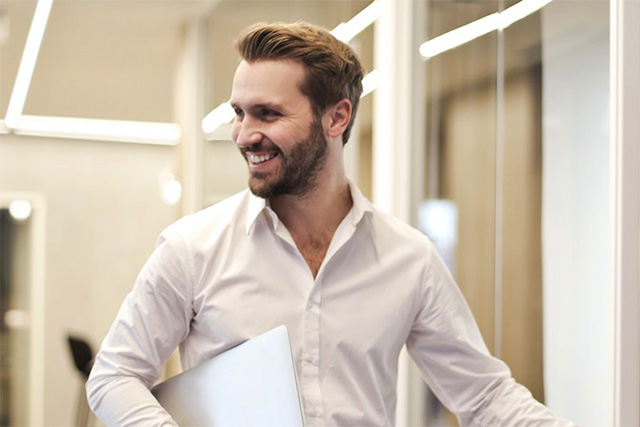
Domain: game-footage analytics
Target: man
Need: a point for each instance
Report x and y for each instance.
(305, 249)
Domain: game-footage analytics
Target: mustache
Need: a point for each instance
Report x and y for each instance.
(261, 146)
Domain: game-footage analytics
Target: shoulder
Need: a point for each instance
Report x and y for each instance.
(389, 228)
(212, 220)
(413, 250)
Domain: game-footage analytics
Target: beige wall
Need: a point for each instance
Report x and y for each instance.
(117, 60)
(103, 214)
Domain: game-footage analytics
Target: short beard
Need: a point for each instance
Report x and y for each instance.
(299, 169)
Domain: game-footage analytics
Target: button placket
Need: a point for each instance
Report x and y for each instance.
(310, 359)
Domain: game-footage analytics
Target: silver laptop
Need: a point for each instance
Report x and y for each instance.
(253, 384)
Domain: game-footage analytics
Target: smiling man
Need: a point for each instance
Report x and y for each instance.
(302, 247)
(269, 108)
(294, 153)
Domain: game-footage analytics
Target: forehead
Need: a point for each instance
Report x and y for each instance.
(268, 81)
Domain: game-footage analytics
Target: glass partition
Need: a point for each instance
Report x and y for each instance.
(461, 149)
(517, 137)
(516, 170)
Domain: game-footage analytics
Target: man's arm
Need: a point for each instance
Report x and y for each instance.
(447, 346)
(152, 321)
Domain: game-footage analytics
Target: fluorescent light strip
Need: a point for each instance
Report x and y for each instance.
(482, 26)
(370, 82)
(3, 127)
(98, 129)
(459, 36)
(345, 32)
(28, 61)
(367, 16)
(220, 115)
(66, 127)
(520, 10)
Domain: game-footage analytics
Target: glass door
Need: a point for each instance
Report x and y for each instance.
(517, 127)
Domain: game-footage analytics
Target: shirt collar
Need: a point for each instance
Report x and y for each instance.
(256, 206)
(362, 211)
(361, 206)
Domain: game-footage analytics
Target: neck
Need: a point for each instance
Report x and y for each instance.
(319, 211)
(322, 208)
(312, 219)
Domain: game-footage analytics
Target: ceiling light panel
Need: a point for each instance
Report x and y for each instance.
(28, 62)
(108, 60)
(480, 27)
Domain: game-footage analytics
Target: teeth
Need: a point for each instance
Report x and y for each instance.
(259, 159)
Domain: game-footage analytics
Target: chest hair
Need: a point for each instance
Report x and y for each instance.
(313, 250)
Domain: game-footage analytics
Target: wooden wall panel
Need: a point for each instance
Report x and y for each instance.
(522, 252)
(468, 179)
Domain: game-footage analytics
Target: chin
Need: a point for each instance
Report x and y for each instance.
(262, 189)
(270, 188)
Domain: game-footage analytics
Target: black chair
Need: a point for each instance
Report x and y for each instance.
(83, 360)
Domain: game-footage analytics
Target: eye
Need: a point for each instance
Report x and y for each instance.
(268, 114)
(239, 113)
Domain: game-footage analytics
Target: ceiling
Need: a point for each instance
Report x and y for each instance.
(111, 59)
(116, 59)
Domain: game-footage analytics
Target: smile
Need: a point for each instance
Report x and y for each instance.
(256, 160)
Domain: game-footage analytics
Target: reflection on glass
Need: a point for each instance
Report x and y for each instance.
(438, 220)
(461, 153)
(461, 99)
(575, 213)
(515, 119)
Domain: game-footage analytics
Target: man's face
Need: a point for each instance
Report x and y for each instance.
(275, 129)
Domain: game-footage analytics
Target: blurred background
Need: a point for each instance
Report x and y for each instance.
(486, 124)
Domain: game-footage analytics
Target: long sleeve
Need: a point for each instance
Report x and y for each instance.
(152, 321)
(447, 346)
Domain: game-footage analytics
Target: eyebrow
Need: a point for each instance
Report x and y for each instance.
(258, 106)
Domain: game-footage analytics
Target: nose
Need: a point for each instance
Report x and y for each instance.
(245, 132)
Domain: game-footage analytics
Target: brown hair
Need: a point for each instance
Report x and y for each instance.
(333, 71)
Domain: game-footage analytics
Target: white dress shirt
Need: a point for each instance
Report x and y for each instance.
(233, 271)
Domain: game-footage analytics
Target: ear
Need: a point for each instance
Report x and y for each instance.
(336, 118)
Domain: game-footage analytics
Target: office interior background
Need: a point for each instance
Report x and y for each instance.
(505, 130)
